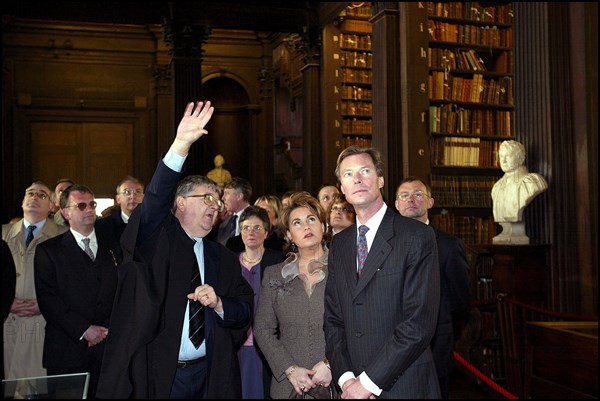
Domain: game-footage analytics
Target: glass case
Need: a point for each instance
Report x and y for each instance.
(71, 386)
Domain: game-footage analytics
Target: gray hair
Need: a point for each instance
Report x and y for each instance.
(187, 185)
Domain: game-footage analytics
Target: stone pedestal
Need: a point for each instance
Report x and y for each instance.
(512, 234)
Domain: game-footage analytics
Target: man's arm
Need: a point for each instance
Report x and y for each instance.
(159, 193)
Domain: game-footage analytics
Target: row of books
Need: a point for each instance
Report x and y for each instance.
(364, 76)
(489, 36)
(354, 41)
(450, 119)
(356, 59)
(471, 229)
(451, 59)
(464, 190)
(501, 13)
(444, 86)
(464, 152)
(485, 288)
(356, 92)
(362, 9)
(359, 141)
(357, 108)
(462, 61)
(356, 126)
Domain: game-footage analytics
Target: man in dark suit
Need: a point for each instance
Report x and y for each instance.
(413, 200)
(236, 197)
(150, 352)
(75, 282)
(382, 294)
(130, 193)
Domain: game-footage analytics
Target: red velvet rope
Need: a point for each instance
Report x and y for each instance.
(483, 377)
(571, 316)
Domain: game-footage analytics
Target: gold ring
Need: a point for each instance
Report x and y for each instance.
(206, 296)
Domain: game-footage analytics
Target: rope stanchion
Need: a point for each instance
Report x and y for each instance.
(483, 377)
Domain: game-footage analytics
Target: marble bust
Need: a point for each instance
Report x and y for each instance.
(513, 192)
(218, 174)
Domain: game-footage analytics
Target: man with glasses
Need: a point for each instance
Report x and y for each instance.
(130, 193)
(24, 327)
(182, 308)
(75, 281)
(413, 199)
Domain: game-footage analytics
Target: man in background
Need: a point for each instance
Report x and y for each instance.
(59, 187)
(75, 281)
(236, 197)
(413, 200)
(130, 193)
(24, 326)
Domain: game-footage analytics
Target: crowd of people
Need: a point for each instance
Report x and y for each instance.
(187, 289)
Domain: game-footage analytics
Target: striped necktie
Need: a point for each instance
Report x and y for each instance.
(196, 333)
(87, 249)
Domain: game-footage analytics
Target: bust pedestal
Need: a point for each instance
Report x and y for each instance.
(512, 234)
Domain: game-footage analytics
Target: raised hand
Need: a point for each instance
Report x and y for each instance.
(191, 126)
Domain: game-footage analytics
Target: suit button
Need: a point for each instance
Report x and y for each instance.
(358, 334)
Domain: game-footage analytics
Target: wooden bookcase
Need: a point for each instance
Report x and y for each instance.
(518, 272)
(347, 77)
(471, 111)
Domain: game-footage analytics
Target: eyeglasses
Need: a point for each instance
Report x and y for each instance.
(340, 209)
(209, 200)
(82, 205)
(417, 195)
(41, 195)
(256, 228)
(136, 193)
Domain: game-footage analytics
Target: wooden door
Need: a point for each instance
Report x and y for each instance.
(98, 155)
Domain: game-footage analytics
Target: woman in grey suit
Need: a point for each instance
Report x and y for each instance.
(289, 319)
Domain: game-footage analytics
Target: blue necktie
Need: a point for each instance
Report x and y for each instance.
(29, 235)
(362, 248)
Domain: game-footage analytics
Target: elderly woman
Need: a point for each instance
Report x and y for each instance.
(289, 320)
(254, 226)
(340, 214)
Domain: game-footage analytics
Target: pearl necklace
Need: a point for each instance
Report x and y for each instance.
(249, 261)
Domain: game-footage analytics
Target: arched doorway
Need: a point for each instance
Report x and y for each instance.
(229, 128)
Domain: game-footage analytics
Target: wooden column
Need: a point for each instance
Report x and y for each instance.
(186, 41)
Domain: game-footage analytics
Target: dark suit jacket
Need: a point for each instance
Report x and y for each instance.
(73, 292)
(112, 227)
(383, 321)
(143, 345)
(454, 298)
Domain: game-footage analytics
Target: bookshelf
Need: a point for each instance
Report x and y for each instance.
(517, 272)
(347, 74)
(471, 111)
